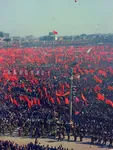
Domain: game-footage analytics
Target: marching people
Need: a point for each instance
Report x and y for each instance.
(32, 100)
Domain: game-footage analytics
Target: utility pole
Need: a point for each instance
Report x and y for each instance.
(71, 94)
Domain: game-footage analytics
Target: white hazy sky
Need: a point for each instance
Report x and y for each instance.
(38, 17)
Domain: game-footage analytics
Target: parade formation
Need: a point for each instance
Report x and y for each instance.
(36, 88)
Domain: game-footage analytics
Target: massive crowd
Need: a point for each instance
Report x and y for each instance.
(8, 145)
(35, 89)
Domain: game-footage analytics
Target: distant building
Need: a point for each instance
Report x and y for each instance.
(29, 37)
(60, 38)
(51, 33)
(56, 38)
(47, 38)
(1, 34)
(6, 35)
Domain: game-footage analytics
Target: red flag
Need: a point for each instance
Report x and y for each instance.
(67, 85)
(25, 98)
(100, 97)
(110, 88)
(15, 102)
(83, 97)
(13, 78)
(66, 101)
(29, 89)
(59, 94)
(102, 72)
(34, 101)
(45, 90)
(77, 112)
(55, 32)
(97, 79)
(51, 99)
(109, 102)
(97, 89)
(22, 98)
(92, 71)
(5, 75)
(67, 93)
(61, 89)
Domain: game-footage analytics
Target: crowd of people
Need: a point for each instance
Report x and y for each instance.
(35, 92)
(8, 145)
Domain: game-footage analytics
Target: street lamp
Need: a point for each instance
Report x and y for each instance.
(72, 65)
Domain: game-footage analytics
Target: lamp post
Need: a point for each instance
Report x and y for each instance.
(72, 65)
(71, 94)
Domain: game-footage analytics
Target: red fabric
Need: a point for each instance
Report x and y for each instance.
(51, 99)
(67, 93)
(110, 88)
(102, 72)
(109, 102)
(15, 102)
(25, 98)
(66, 101)
(34, 101)
(83, 97)
(97, 79)
(97, 89)
(38, 102)
(100, 97)
(11, 72)
(55, 32)
(77, 112)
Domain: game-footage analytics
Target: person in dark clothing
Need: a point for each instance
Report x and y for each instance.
(36, 141)
(81, 134)
(59, 132)
(67, 126)
(105, 138)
